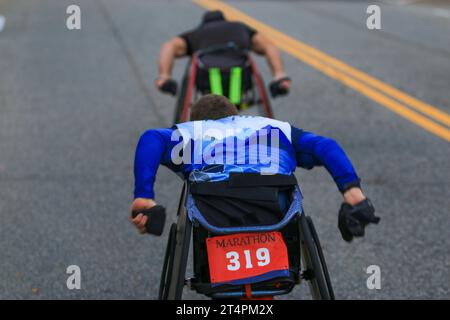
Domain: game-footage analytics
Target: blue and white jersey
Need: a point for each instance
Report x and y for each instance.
(212, 149)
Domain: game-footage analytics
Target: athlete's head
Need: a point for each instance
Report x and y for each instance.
(212, 107)
(211, 16)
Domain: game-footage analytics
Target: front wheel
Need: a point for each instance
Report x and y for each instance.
(181, 96)
(168, 264)
(316, 271)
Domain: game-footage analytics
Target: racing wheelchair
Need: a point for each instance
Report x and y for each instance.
(243, 261)
(225, 70)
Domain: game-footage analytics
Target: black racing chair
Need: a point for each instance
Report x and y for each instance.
(305, 257)
(225, 70)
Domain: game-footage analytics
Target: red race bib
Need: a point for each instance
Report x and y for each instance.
(245, 255)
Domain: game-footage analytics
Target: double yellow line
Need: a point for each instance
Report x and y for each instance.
(424, 115)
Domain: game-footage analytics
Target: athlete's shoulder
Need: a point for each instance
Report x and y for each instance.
(239, 24)
(151, 134)
(266, 120)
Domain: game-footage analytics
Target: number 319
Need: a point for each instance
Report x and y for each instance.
(262, 255)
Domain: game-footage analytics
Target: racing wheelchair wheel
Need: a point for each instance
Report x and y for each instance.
(265, 107)
(182, 96)
(316, 271)
(168, 264)
(263, 101)
(321, 258)
(173, 275)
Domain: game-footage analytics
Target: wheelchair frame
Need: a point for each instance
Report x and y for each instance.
(188, 89)
(313, 267)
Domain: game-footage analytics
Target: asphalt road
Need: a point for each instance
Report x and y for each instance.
(74, 103)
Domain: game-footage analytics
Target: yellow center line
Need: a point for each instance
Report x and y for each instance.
(344, 73)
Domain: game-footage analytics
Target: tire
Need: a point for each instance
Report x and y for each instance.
(321, 258)
(314, 261)
(267, 105)
(182, 96)
(168, 264)
(264, 107)
(181, 242)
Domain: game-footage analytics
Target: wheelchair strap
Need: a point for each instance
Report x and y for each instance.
(257, 186)
(215, 81)
(235, 85)
(222, 189)
(255, 179)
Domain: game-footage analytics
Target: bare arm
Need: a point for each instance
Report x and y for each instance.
(170, 50)
(264, 46)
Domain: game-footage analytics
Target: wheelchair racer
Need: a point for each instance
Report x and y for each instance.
(215, 30)
(295, 148)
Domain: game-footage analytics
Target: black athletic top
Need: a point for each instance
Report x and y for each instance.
(218, 32)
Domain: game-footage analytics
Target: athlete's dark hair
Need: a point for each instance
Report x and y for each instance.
(211, 16)
(212, 107)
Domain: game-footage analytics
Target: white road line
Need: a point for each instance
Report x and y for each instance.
(2, 22)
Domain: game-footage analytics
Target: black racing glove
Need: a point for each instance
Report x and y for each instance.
(353, 219)
(276, 89)
(169, 86)
(156, 219)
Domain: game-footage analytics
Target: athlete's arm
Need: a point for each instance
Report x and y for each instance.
(264, 46)
(170, 50)
(154, 148)
(313, 150)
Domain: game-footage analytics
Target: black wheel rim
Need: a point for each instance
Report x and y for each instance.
(321, 258)
(168, 264)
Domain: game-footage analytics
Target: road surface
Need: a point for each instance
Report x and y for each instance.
(74, 103)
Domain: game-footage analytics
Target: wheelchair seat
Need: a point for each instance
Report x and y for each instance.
(226, 70)
(204, 228)
(223, 70)
(296, 251)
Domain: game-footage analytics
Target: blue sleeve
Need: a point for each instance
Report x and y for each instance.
(313, 150)
(154, 148)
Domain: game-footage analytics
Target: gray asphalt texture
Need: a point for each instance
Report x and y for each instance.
(74, 103)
